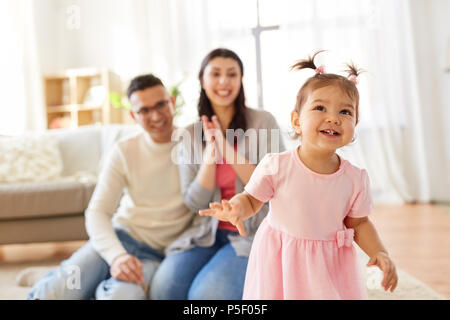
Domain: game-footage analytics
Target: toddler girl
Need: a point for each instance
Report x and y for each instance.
(319, 203)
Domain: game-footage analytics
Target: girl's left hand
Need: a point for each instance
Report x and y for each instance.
(226, 211)
(383, 261)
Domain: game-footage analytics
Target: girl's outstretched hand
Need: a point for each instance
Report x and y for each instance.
(384, 262)
(226, 211)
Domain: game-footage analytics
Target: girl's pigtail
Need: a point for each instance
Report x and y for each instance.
(353, 73)
(309, 63)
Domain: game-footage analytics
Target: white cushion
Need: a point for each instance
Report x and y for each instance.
(29, 158)
(80, 148)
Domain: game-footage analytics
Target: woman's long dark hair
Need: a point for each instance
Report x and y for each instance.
(204, 105)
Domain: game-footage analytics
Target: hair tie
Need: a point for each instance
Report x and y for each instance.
(320, 70)
(353, 78)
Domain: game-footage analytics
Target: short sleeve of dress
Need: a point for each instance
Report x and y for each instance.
(363, 204)
(262, 182)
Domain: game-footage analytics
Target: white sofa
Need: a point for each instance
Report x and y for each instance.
(53, 209)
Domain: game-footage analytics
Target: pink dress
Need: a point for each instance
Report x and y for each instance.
(302, 249)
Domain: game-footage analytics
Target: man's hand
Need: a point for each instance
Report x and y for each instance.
(226, 211)
(127, 268)
(382, 261)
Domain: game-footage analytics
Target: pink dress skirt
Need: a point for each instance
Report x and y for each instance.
(282, 266)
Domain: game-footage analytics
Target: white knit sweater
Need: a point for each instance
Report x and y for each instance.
(151, 210)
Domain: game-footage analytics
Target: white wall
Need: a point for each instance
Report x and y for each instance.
(103, 37)
(44, 17)
(58, 46)
(431, 27)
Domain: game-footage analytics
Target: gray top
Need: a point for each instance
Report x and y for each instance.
(258, 140)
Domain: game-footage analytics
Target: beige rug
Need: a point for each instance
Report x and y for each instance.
(409, 288)
(9, 289)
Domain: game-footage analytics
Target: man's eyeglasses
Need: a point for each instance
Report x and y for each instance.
(160, 106)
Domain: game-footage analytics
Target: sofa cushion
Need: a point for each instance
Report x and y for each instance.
(80, 148)
(29, 157)
(39, 199)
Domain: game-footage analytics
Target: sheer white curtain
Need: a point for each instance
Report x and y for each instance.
(21, 106)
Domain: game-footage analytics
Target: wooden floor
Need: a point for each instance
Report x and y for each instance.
(418, 240)
(416, 236)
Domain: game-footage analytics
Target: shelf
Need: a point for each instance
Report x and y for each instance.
(72, 107)
(58, 109)
(68, 94)
(85, 107)
(78, 72)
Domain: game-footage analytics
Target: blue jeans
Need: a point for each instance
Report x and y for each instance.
(85, 275)
(214, 273)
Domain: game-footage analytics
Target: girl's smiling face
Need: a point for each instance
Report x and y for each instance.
(327, 119)
(222, 81)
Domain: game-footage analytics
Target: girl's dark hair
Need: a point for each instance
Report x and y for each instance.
(320, 80)
(204, 104)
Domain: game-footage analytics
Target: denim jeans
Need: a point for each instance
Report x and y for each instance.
(85, 275)
(214, 273)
